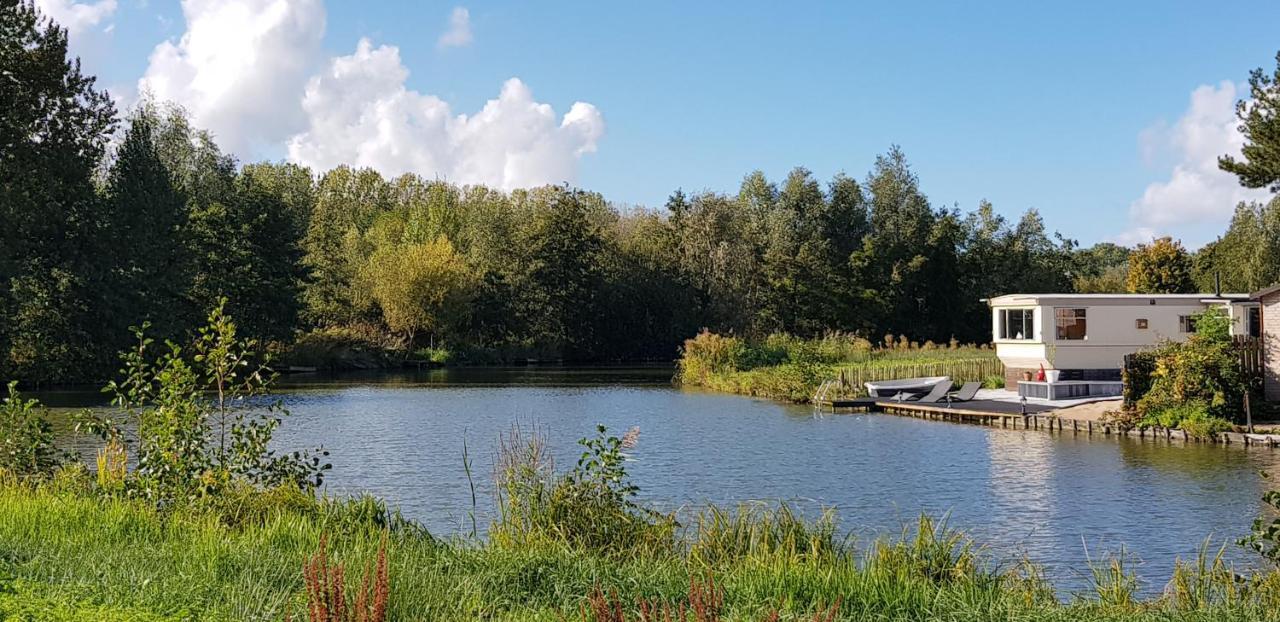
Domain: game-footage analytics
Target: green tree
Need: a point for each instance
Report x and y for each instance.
(1112, 280)
(715, 254)
(1101, 268)
(906, 270)
(1247, 257)
(419, 286)
(431, 208)
(562, 270)
(801, 261)
(147, 224)
(54, 126)
(648, 304)
(1260, 123)
(294, 185)
(1162, 267)
(348, 201)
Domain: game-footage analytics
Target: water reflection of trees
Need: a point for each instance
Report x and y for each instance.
(1200, 461)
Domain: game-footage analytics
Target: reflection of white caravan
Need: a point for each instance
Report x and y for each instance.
(1087, 335)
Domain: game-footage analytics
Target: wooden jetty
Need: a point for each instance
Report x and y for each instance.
(981, 413)
(1036, 417)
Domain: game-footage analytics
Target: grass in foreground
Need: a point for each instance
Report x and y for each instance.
(67, 555)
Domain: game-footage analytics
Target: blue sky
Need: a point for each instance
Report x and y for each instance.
(1078, 109)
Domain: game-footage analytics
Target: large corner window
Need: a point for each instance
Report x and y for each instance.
(1017, 323)
(1071, 324)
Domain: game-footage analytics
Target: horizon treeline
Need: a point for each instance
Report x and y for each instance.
(106, 224)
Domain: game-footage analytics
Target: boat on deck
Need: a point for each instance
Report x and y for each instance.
(890, 388)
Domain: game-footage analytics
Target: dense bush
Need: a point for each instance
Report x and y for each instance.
(1197, 385)
(1191, 416)
(26, 438)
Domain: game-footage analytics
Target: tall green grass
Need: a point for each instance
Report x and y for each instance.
(789, 368)
(68, 556)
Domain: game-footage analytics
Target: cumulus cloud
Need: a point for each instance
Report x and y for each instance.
(1197, 192)
(240, 67)
(459, 32)
(1134, 236)
(78, 17)
(253, 73)
(359, 112)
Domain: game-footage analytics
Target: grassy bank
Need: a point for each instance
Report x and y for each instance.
(66, 555)
(787, 368)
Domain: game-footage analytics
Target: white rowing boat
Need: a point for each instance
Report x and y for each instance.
(890, 388)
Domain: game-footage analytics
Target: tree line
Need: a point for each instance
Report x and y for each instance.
(107, 222)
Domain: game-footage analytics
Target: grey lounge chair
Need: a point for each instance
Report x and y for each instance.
(966, 392)
(939, 391)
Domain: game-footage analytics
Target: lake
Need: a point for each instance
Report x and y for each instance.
(1055, 498)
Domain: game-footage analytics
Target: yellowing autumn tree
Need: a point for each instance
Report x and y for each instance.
(1161, 267)
(419, 287)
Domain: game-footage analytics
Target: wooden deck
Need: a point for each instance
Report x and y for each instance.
(1038, 417)
(982, 412)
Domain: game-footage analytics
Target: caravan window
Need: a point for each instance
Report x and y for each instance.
(1017, 324)
(1071, 323)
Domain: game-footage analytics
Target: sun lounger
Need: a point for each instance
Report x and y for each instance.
(966, 392)
(938, 392)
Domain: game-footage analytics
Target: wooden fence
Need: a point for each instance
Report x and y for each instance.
(1250, 350)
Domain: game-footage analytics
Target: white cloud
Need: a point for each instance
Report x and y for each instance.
(359, 112)
(1134, 237)
(459, 33)
(78, 17)
(253, 72)
(1197, 192)
(240, 68)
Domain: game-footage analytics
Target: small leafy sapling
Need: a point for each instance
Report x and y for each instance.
(27, 447)
(202, 419)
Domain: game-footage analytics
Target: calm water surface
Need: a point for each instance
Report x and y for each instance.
(1054, 498)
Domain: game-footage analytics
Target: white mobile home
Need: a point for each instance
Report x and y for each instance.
(1086, 336)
